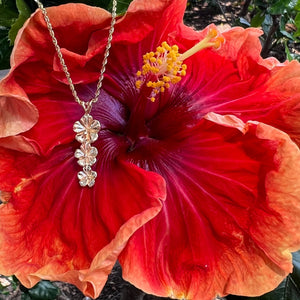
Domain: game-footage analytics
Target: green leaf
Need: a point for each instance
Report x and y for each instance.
(7, 16)
(280, 7)
(121, 7)
(286, 34)
(5, 49)
(25, 296)
(15, 29)
(8, 4)
(44, 290)
(297, 24)
(292, 4)
(105, 4)
(24, 14)
(258, 19)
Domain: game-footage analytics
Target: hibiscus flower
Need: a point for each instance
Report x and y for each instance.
(217, 144)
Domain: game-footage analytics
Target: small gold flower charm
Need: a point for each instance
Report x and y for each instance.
(86, 155)
(87, 177)
(86, 130)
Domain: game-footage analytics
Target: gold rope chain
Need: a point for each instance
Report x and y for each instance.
(86, 128)
(86, 105)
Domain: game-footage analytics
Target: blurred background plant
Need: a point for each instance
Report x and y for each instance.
(280, 21)
(11, 288)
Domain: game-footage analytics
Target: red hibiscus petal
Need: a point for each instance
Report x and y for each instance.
(51, 228)
(284, 87)
(202, 163)
(55, 124)
(242, 45)
(141, 18)
(231, 215)
(34, 54)
(234, 80)
(17, 113)
(33, 43)
(19, 143)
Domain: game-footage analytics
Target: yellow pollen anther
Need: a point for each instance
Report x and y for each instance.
(138, 84)
(212, 40)
(212, 33)
(219, 41)
(165, 66)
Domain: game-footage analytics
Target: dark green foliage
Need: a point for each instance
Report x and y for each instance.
(44, 290)
(23, 14)
(122, 6)
(5, 48)
(280, 21)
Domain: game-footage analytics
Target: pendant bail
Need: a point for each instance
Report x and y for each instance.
(87, 106)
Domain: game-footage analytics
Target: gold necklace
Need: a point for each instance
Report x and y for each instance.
(86, 128)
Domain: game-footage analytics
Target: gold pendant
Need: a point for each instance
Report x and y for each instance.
(86, 130)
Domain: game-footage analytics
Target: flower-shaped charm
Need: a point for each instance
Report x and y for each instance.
(87, 177)
(86, 154)
(86, 129)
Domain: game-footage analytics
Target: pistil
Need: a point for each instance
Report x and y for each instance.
(164, 67)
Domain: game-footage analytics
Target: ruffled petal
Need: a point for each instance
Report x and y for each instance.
(33, 40)
(51, 228)
(243, 45)
(284, 87)
(231, 215)
(83, 56)
(17, 113)
(234, 80)
(142, 18)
